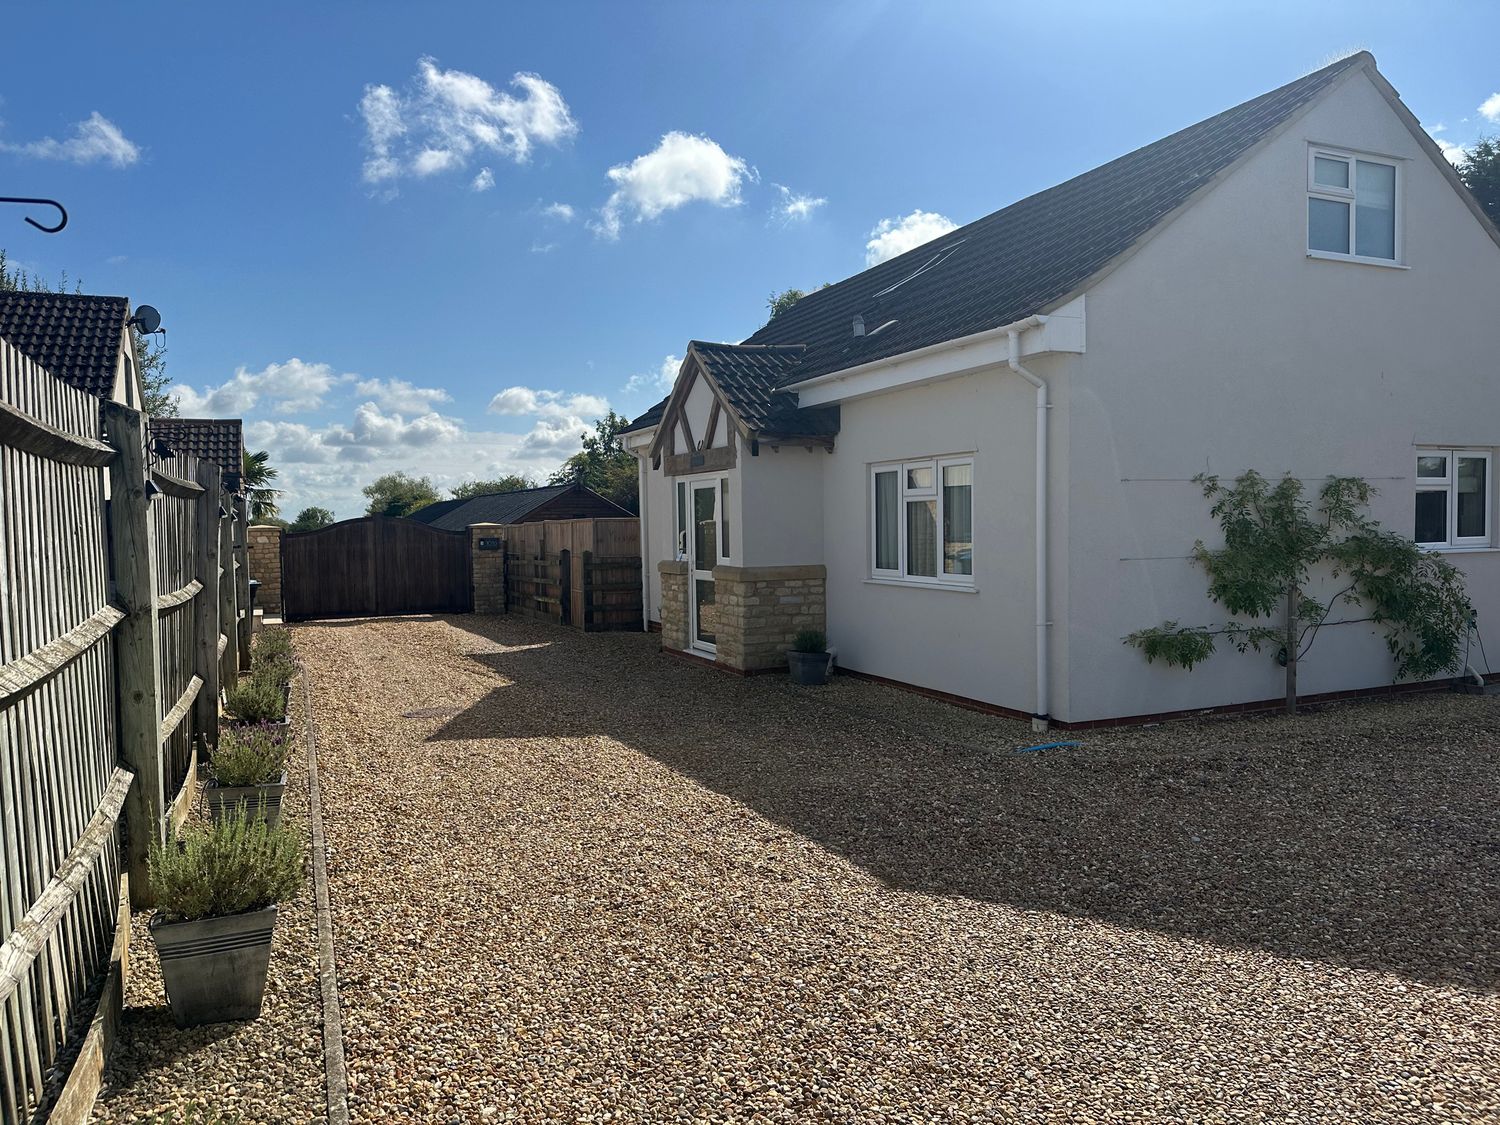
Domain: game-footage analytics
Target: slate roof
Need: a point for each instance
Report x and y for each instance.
(496, 507)
(1025, 257)
(220, 440)
(75, 336)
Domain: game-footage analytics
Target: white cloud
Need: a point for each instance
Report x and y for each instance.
(1489, 109)
(287, 388)
(399, 395)
(547, 404)
(483, 181)
(682, 169)
(892, 237)
(563, 211)
(444, 117)
(659, 381)
(97, 139)
(1456, 154)
(554, 438)
(543, 247)
(794, 208)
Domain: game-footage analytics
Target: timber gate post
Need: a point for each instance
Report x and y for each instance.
(565, 587)
(229, 653)
(588, 591)
(246, 622)
(206, 663)
(137, 664)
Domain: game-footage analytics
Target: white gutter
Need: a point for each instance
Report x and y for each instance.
(643, 476)
(1040, 716)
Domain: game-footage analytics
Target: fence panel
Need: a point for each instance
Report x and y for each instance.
(60, 789)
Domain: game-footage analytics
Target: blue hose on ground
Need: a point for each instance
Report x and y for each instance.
(1048, 746)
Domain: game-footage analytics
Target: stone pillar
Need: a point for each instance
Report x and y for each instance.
(675, 623)
(487, 565)
(265, 567)
(762, 608)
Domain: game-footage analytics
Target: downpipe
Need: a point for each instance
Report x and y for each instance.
(1040, 717)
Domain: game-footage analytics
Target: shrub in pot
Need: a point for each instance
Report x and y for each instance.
(272, 642)
(257, 700)
(248, 769)
(217, 889)
(809, 660)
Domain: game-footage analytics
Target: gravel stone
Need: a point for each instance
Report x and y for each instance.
(268, 1070)
(616, 887)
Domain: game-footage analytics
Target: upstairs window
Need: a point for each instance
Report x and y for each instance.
(1351, 206)
(1453, 498)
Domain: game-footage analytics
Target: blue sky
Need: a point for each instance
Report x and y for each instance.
(385, 250)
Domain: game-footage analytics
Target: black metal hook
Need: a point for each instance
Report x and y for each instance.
(61, 210)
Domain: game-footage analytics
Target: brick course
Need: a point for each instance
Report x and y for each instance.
(757, 611)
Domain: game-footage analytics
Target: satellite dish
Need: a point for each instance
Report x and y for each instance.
(147, 319)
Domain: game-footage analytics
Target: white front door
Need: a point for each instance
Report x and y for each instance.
(703, 556)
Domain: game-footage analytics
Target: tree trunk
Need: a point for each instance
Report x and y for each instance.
(1291, 650)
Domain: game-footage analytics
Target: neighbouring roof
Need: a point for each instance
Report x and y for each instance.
(503, 507)
(220, 440)
(1026, 257)
(74, 336)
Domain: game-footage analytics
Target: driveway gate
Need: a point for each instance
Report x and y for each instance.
(375, 567)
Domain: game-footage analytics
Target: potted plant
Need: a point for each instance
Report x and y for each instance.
(217, 889)
(809, 660)
(272, 661)
(258, 700)
(248, 767)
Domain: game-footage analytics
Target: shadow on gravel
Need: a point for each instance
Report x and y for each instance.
(1333, 837)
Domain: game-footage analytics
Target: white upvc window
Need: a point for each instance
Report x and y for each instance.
(1353, 206)
(1454, 498)
(922, 521)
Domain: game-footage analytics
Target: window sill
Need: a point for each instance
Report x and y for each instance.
(947, 587)
(1383, 263)
(1460, 549)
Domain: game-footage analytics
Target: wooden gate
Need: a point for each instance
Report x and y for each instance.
(375, 567)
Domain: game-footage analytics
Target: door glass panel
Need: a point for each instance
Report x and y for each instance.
(887, 530)
(921, 538)
(1432, 466)
(1328, 226)
(1330, 172)
(682, 521)
(705, 529)
(724, 518)
(705, 612)
(1472, 497)
(1432, 517)
(958, 519)
(1375, 210)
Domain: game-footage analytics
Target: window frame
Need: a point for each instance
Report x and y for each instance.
(1352, 158)
(903, 494)
(1449, 484)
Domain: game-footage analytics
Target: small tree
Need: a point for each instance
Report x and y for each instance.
(397, 494)
(512, 482)
(258, 475)
(310, 519)
(1480, 171)
(778, 303)
(1273, 540)
(605, 465)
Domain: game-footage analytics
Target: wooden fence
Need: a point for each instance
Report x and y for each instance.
(110, 604)
(585, 573)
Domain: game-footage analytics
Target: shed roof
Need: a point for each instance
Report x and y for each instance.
(74, 336)
(220, 440)
(502, 507)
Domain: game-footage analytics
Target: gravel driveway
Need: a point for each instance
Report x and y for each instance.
(577, 880)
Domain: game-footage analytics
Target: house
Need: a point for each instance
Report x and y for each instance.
(972, 464)
(82, 339)
(220, 440)
(523, 505)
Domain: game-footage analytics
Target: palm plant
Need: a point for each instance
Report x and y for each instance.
(258, 475)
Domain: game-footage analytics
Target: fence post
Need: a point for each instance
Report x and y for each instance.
(505, 576)
(137, 666)
(246, 621)
(229, 658)
(565, 587)
(206, 615)
(588, 591)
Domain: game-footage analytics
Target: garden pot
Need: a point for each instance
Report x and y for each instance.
(809, 667)
(223, 798)
(215, 968)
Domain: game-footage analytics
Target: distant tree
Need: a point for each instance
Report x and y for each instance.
(512, 482)
(397, 494)
(258, 475)
(604, 464)
(778, 303)
(150, 361)
(1480, 170)
(310, 519)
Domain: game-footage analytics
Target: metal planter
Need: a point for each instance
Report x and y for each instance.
(223, 798)
(809, 667)
(215, 968)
